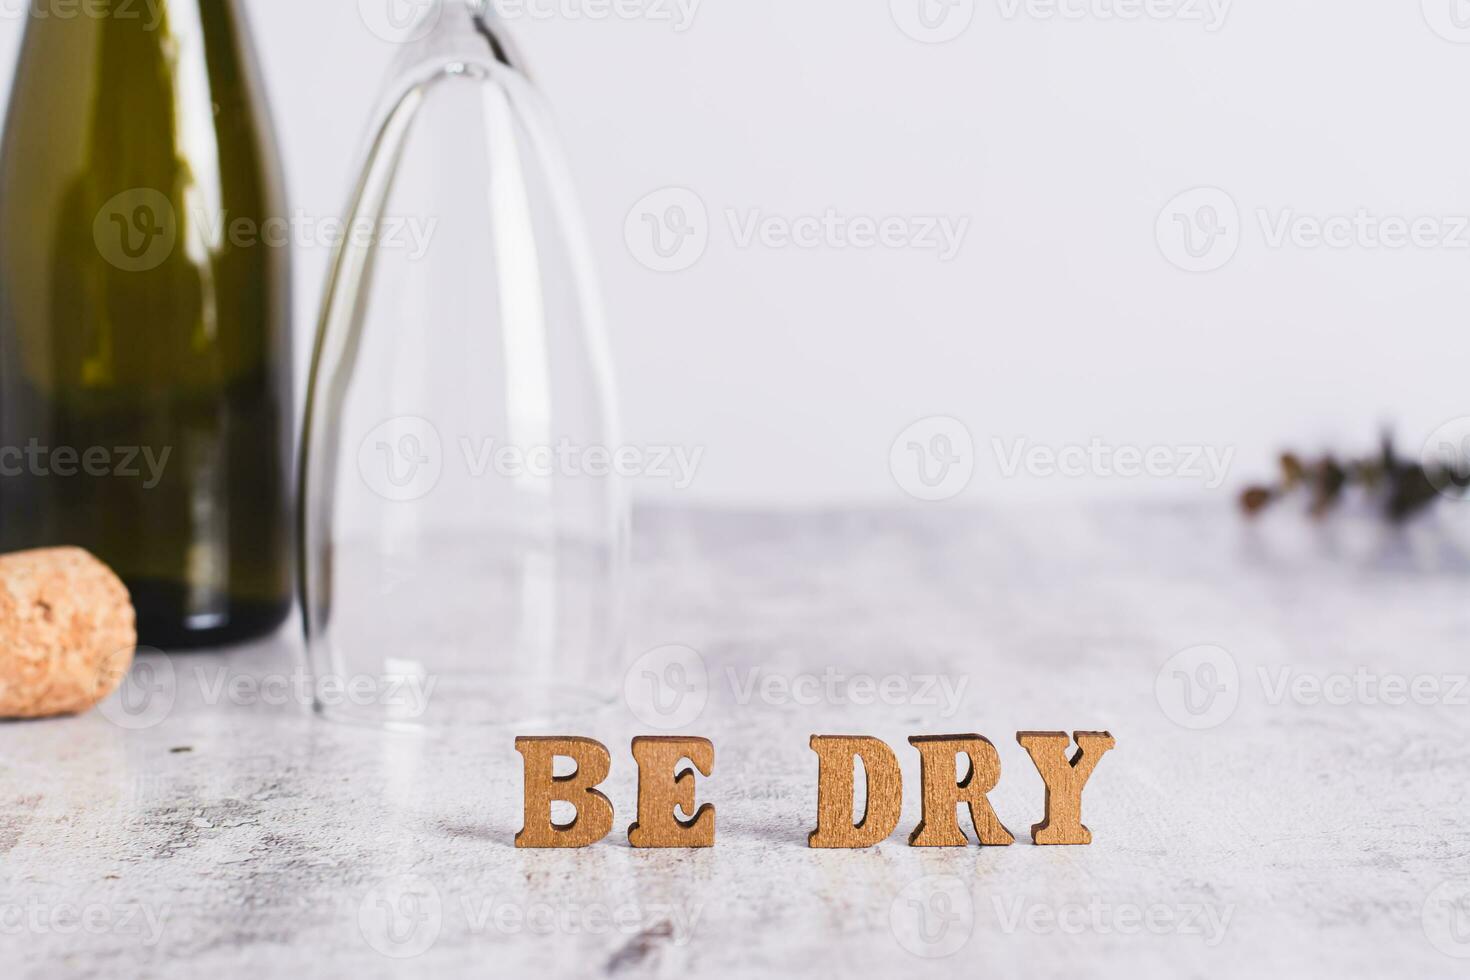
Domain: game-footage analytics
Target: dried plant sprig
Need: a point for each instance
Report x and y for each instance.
(1402, 488)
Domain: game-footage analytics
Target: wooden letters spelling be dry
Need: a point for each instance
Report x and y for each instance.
(661, 790)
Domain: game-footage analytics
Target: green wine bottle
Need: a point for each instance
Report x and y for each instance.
(145, 368)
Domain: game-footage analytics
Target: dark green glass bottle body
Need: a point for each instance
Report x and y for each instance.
(145, 364)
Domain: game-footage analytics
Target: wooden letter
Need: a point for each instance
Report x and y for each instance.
(939, 783)
(594, 811)
(835, 826)
(658, 825)
(1064, 781)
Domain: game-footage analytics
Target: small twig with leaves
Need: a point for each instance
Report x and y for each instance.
(1401, 488)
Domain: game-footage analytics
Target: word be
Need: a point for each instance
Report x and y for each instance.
(661, 789)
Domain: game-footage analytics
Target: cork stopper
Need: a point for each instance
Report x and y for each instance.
(67, 632)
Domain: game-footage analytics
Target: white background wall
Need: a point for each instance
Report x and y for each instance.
(1061, 139)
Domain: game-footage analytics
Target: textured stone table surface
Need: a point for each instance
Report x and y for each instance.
(1288, 794)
